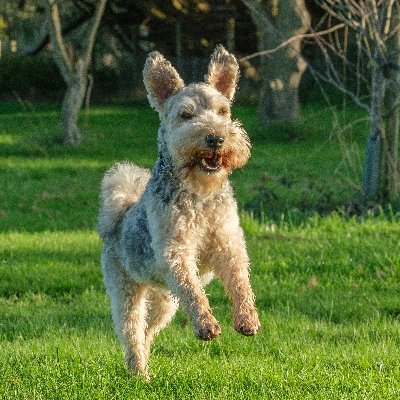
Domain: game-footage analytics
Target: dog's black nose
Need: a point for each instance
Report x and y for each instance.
(214, 141)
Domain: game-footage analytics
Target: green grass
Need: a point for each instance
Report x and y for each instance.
(327, 287)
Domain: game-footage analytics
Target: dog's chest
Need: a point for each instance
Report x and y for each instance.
(208, 226)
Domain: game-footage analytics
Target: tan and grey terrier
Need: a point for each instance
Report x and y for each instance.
(168, 231)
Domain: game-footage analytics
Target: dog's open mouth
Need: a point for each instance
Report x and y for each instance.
(209, 161)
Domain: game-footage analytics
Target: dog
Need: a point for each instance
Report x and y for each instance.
(167, 232)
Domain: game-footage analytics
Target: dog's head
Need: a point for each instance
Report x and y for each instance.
(202, 141)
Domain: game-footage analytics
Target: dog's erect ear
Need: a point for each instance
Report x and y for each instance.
(161, 80)
(223, 72)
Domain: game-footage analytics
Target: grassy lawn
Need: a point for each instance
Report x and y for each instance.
(327, 287)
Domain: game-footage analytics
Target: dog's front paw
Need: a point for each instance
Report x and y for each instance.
(208, 329)
(247, 324)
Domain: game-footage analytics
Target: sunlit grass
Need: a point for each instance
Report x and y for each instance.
(327, 287)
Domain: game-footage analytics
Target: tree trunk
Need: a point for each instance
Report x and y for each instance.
(392, 189)
(373, 159)
(277, 21)
(230, 33)
(392, 117)
(381, 170)
(75, 74)
(71, 106)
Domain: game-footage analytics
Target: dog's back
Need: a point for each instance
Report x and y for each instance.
(121, 188)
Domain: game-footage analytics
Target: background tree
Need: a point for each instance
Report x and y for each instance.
(73, 66)
(276, 21)
(375, 25)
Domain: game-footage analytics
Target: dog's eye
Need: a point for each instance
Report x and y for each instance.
(222, 111)
(186, 115)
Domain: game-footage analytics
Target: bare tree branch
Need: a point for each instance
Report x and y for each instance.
(376, 24)
(290, 40)
(56, 37)
(92, 35)
(356, 99)
(71, 27)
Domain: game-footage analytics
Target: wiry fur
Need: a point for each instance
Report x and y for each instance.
(121, 188)
(167, 233)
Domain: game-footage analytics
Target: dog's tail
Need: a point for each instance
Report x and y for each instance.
(121, 188)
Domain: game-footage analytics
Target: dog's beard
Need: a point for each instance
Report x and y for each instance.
(206, 161)
(204, 171)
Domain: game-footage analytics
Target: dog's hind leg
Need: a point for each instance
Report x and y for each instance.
(129, 310)
(161, 309)
(134, 328)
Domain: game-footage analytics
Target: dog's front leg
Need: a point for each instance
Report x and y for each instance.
(232, 267)
(183, 280)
